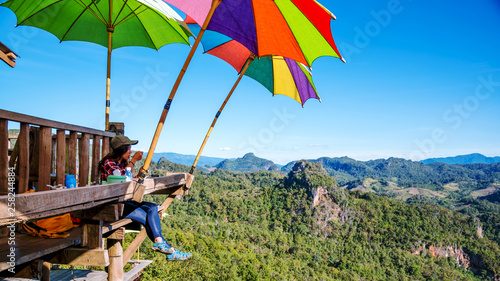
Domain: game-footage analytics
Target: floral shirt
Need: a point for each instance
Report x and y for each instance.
(109, 166)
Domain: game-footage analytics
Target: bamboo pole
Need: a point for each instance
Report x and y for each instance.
(110, 49)
(166, 108)
(249, 60)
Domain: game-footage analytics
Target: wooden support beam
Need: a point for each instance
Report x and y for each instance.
(136, 243)
(110, 212)
(82, 256)
(44, 159)
(61, 157)
(24, 157)
(84, 145)
(96, 157)
(7, 58)
(4, 157)
(92, 235)
(118, 234)
(72, 148)
(115, 225)
(115, 251)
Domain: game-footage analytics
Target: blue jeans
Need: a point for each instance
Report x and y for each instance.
(145, 213)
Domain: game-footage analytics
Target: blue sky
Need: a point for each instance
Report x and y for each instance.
(422, 80)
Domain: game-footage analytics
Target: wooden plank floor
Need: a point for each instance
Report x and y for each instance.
(28, 247)
(69, 275)
(77, 275)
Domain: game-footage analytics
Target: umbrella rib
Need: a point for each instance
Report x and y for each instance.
(118, 15)
(158, 13)
(73, 23)
(32, 15)
(140, 21)
(87, 7)
(130, 15)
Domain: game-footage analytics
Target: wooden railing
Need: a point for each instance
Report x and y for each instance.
(46, 150)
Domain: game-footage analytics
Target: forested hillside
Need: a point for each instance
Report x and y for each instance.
(303, 226)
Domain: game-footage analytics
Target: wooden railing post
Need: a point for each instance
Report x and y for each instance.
(44, 159)
(4, 157)
(84, 146)
(24, 157)
(105, 146)
(96, 157)
(61, 157)
(72, 145)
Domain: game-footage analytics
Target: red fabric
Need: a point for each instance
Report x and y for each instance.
(233, 53)
(109, 166)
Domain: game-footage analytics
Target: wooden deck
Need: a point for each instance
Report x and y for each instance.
(85, 245)
(45, 151)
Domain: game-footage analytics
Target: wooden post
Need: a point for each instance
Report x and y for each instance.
(24, 157)
(96, 157)
(84, 146)
(61, 157)
(4, 157)
(73, 136)
(105, 146)
(115, 252)
(44, 159)
(45, 272)
(92, 235)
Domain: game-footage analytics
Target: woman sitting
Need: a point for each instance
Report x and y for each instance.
(145, 213)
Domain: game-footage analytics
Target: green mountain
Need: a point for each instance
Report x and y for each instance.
(464, 159)
(304, 226)
(249, 163)
(406, 172)
(186, 159)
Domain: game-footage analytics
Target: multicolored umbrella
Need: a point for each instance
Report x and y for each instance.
(110, 23)
(295, 29)
(279, 75)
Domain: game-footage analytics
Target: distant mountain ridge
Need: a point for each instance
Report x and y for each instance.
(248, 163)
(344, 169)
(186, 159)
(464, 159)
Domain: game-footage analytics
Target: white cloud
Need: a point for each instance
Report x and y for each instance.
(224, 148)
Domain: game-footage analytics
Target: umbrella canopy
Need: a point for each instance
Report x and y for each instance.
(279, 75)
(296, 29)
(110, 23)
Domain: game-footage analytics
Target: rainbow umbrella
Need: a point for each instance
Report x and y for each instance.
(295, 29)
(281, 76)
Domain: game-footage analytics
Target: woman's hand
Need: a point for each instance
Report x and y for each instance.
(137, 156)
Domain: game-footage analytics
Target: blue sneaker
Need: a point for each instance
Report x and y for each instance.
(178, 256)
(163, 248)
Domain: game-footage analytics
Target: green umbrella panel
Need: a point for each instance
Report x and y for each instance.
(110, 23)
